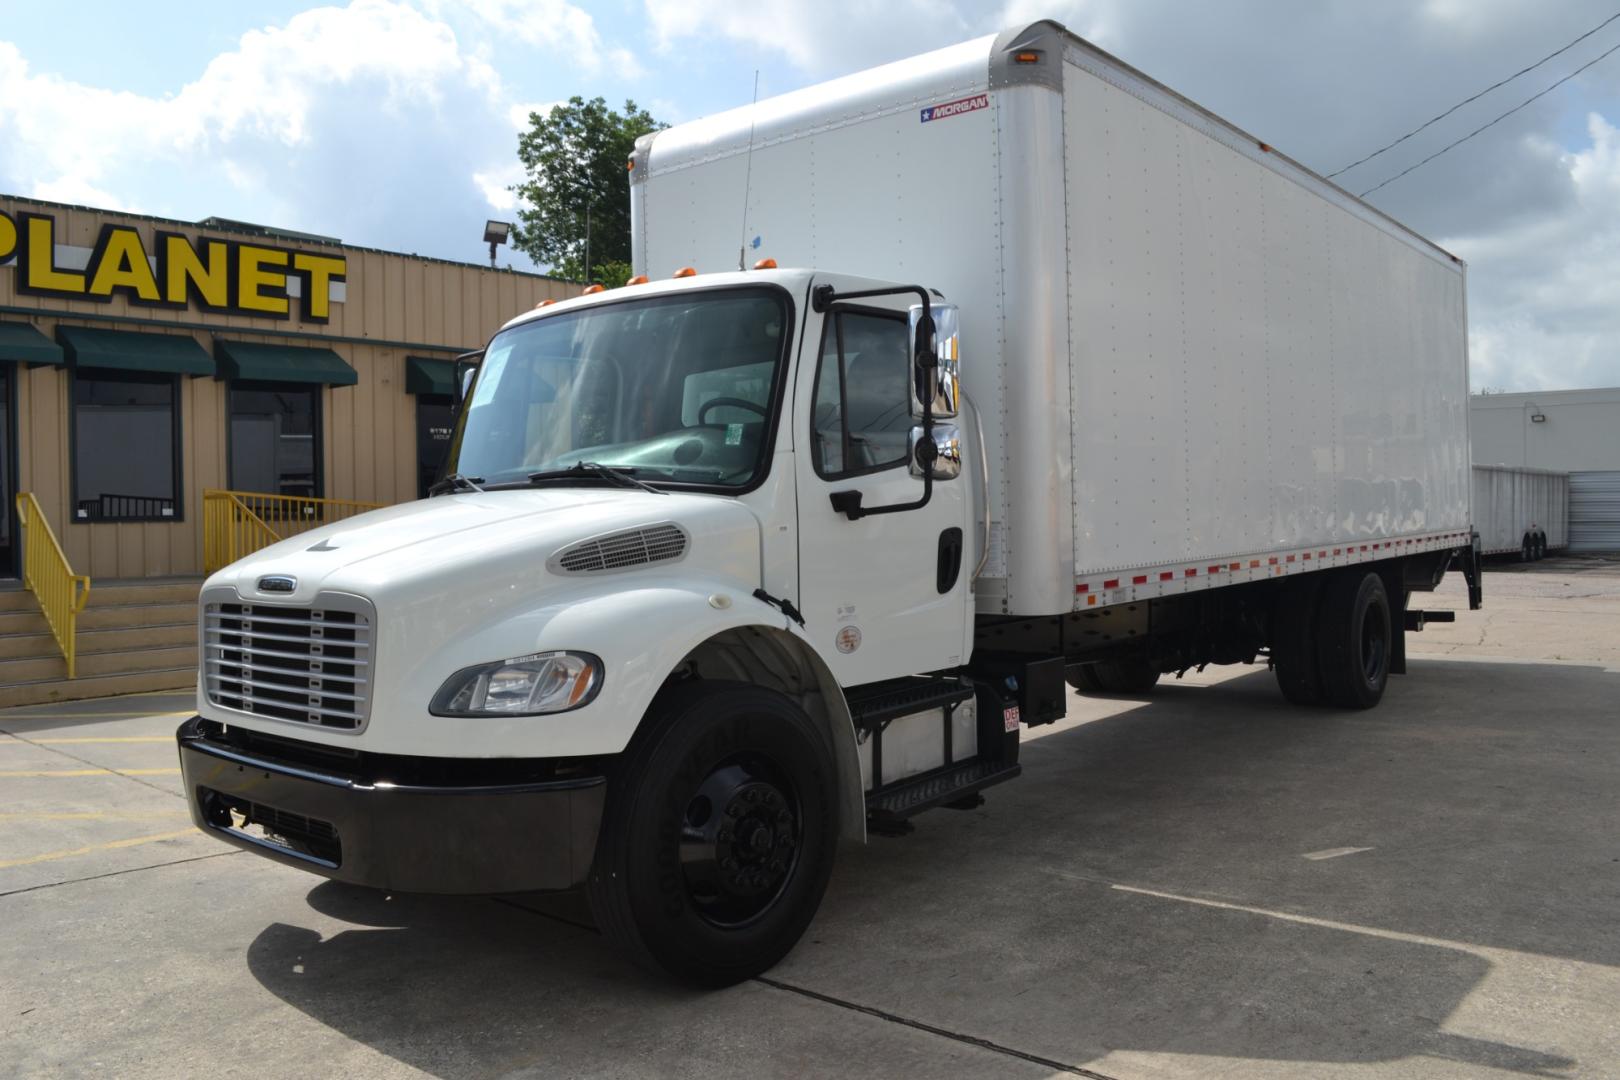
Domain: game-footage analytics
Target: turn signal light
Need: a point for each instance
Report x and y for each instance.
(765, 264)
(685, 271)
(630, 165)
(639, 279)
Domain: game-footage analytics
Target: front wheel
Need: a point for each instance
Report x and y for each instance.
(719, 833)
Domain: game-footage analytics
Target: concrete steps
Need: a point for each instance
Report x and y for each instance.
(133, 636)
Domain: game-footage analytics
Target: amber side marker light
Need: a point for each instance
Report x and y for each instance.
(1028, 57)
(589, 289)
(685, 271)
(765, 264)
(639, 279)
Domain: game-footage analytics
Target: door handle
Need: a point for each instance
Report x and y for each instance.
(949, 567)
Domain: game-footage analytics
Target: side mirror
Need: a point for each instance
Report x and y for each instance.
(942, 342)
(937, 453)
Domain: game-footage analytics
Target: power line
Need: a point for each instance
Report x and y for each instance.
(1476, 97)
(1493, 123)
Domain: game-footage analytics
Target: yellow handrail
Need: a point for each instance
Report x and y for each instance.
(238, 523)
(61, 593)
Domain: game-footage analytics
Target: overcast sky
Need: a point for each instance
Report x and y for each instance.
(393, 123)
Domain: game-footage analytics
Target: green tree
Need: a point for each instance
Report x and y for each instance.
(574, 160)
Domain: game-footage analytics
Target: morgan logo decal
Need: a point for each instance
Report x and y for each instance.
(848, 639)
(955, 108)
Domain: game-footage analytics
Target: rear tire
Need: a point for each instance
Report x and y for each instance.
(1294, 648)
(1354, 640)
(719, 833)
(1541, 546)
(1128, 676)
(1083, 678)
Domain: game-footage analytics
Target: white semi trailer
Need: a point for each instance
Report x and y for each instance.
(1070, 379)
(1521, 511)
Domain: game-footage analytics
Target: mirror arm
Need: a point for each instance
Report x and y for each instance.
(848, 503)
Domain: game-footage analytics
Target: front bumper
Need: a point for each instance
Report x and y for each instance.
(344, 821)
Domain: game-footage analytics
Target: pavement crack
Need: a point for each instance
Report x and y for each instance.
(87, 761)
(116, 873)
(970, 1040)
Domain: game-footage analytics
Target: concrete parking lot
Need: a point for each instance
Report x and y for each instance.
(1201, 882)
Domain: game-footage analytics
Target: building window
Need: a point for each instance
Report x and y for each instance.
(435, 414)
(126, 434)
(275, 439)
(863, 403)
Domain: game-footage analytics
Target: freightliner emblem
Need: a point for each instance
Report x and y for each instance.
(278, 583)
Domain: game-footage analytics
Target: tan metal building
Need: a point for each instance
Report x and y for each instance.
(144, 361)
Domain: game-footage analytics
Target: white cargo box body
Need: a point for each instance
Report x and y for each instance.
(1509, 501)
(1196, 361)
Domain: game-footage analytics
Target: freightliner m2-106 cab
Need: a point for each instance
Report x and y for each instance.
(1072, 382)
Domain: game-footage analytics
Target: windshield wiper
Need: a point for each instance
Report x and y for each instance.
(456, 482)
(618, 474)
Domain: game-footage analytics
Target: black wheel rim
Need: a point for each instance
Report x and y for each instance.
(1374, 645)
(740, 840)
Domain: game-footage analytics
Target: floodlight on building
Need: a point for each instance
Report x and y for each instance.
(495, 234)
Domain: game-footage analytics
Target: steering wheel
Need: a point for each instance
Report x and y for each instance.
(739, 403)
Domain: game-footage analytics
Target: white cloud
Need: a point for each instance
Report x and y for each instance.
(553, 25)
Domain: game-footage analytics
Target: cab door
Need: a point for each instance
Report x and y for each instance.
(882, 594)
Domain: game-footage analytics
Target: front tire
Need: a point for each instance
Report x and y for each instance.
(1354, 640)
(719, 834)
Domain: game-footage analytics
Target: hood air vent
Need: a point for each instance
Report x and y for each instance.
(622, 550)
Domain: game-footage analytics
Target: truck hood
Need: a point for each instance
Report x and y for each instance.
(495, 545)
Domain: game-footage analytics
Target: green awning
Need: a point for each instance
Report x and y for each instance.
(424, 376)
(123, 351)
(22, 344)
(282, 363)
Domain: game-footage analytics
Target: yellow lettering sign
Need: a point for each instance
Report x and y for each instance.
(119, 262)
(39, 272)
(252, 278)
(318, 272)
(188, 275)
(219, 275)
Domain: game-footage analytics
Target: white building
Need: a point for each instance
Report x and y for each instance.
(1573, 431)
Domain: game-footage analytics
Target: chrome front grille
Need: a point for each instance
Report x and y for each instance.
(312, 665)
(620, 550)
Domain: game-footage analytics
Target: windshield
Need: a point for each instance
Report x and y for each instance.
(677, 389)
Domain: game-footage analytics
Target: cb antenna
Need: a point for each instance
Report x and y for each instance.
(748, 176)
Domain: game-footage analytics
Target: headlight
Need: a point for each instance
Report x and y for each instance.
(548, 682)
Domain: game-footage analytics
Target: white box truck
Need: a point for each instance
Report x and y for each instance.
(1060, 377)
(1521, 511)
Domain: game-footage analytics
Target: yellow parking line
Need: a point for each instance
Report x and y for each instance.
(50, 855)
(55, 773)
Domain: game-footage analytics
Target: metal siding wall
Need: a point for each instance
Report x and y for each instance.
(1594, 511)
(368, 430)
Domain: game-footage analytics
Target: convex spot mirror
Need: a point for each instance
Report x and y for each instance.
(936, 453)
(944, 346)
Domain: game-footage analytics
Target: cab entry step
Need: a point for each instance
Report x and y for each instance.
(902, 800)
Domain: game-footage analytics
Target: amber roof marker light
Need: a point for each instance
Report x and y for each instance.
(765, 264)
(589, 289)
(639, 279)
(685, 271)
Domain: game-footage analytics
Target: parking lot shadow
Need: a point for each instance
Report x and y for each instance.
(1147, 885)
